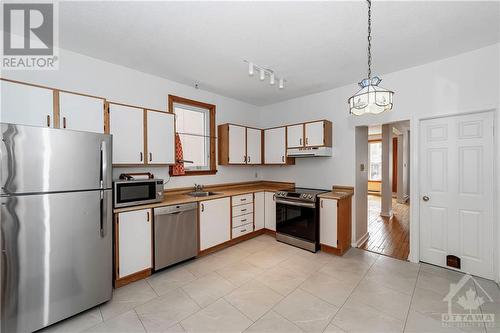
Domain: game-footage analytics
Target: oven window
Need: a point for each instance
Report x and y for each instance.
(136, 192)
(296, 221)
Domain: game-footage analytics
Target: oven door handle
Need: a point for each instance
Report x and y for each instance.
(295, 203)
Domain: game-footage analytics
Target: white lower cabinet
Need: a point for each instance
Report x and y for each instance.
(270, 211)
(259, 210)
(328, 222)
(215, 222)
(134, 242)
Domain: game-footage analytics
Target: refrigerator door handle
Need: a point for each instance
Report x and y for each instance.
(104, 164)
(102, 215)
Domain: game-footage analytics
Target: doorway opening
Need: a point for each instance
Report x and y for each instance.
(387, 190)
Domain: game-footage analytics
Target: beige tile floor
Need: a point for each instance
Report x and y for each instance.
(265, 286)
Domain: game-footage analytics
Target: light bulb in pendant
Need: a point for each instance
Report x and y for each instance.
(250, 68)
(262, 75)
(281, 84)
(271, 79)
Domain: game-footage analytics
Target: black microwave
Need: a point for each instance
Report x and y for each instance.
(137, 192)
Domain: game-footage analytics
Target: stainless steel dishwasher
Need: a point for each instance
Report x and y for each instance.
(176, 234)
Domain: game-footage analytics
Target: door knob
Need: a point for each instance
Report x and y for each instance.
(425, 198)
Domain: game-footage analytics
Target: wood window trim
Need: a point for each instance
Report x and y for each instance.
(172, 99)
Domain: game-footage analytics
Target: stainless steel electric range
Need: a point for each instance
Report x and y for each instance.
(297, 217)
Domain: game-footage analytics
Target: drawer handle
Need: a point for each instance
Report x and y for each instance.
(202, 207)
(243, 230)
(244, 210)
(244, 220)
(244, 199)
(48, 120)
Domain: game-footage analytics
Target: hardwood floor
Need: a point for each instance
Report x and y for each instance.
(390, 237)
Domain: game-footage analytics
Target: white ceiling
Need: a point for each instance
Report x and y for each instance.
(315, 45)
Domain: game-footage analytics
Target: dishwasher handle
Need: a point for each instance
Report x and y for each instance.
(175, 209)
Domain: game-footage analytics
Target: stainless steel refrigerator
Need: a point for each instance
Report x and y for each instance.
(56, 224)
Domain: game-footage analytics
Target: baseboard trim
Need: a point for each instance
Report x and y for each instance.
(132, 278)
(362, 240)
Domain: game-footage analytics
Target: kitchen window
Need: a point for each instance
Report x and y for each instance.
(375, 160)
(195, 125)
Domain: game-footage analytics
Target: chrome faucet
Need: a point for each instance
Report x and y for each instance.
(198, 187)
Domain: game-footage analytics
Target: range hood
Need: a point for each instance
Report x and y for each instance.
(309, 152)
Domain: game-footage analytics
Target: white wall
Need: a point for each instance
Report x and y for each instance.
(120, 84)
(463, 83)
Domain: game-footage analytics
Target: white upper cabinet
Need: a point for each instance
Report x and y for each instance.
(127, 127)
(254, 146)
(215, 222)
(295, 136)
(81, 113)
(26, 105)
(275, 146)
(237, 144)
(315, 135)
(160, 137)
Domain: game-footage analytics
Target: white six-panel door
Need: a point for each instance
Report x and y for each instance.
(456, 191)
(254, 146)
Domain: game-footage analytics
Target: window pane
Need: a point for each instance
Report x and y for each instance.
(190, 121)
(196, 149)
(375, 161)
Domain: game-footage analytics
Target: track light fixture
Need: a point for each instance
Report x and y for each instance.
(263, 72)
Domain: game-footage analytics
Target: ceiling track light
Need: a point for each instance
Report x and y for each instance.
(263, 73)
(250, 68)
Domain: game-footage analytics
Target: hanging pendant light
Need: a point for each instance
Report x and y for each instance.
(371, 98)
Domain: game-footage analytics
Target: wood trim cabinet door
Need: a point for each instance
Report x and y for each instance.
(237, 144)
(126, 124)
(215, 222)
(81, 113)
(27, 105)
(270, 211)
(259, 210)
(134, 242)
(275, 146)
(314, 134)
(160, 138)
(254, 146)
(295, 136)
(328, 222)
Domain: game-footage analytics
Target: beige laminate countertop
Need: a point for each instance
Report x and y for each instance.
(222, 192)
(337, 194)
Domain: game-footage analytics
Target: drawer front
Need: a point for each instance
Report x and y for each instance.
(242, 219)
(242, 230)
(242, 199)
(242, 209)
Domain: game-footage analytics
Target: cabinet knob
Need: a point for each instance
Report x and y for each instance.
(48, 120)
(150, 157)
(147, 216)
(202, 207)
(140, 156)
(425, 198)
(64, 122)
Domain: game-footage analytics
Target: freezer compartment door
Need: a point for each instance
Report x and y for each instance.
(56, 257)
(39, 159)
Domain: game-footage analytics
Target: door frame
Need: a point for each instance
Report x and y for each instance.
(415, 177)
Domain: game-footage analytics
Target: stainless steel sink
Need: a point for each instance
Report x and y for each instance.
(201, 194)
